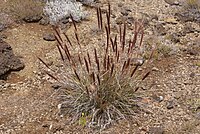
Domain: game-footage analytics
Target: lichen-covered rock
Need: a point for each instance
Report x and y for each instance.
(8, 61)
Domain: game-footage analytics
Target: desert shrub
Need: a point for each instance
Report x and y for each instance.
(24, 8)
(100, 83)
(58, 9)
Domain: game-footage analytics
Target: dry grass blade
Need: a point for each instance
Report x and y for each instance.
(68, 39)
(146, 75)
(74, 23)
(112, 70)
(112, 43)
(99, 80)
(120, 33)
(89, 59)
(58, 33)
(86, 64)
(93, 77)
(108, 37)
(97, 60)
(101, 19)
(77, 39)
(104, 62)
(124, 37)
(79, 58)
(108, 63)
(108, 22)
(52, 76)
(123, 67)
(77, 76)
(43, 63)
(62, 57)
(134, 70)
(98, 18)
(58, 40)
(142, 36)
(67, 53)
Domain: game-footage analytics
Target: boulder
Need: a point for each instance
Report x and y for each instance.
(8, 61)
(32, 19)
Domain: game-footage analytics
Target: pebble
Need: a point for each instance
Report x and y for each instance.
(7, 85)
(2, 82)
(172, 2)
(156, 130)
(155, 69)
(44, 21)
(160, 29)
(198, 115)
(56, 86)
(170, 105)
(160, 98)
(49, 37)
(32, 19)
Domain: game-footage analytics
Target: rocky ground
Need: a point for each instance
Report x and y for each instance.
(171, 101)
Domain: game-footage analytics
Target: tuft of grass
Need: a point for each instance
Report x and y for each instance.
(102, 82)
(23, 8)
(198, 64)
(193, 3)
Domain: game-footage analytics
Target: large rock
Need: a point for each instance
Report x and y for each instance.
(32, 19)
(8, 61)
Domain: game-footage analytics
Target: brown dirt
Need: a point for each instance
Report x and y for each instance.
(28, 104)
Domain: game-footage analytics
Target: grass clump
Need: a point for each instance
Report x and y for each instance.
(100, 83)
(193, 3)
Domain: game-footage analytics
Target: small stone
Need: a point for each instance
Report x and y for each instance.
(175, 37)
(170, 105)
(2, 82)
(172, 2)
(7, 85)
(192, 75)
(3, 36)
(192, 51)
(156, 130)
(140, 69)
(198, 115)
(44, 22)
(120, 20)
(155, 69)
(64, 20)
(158, 98)
(125, 11)
(160, 29)
(178, 95)
(137, 61)
(120, 4)
(188, 29)
(130, 20)
(49, 37)
(32, 19)
(2, 27)
(56, 86)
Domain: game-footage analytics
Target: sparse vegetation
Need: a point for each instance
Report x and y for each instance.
(101, 74)
(101, 83)
(193, 3)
